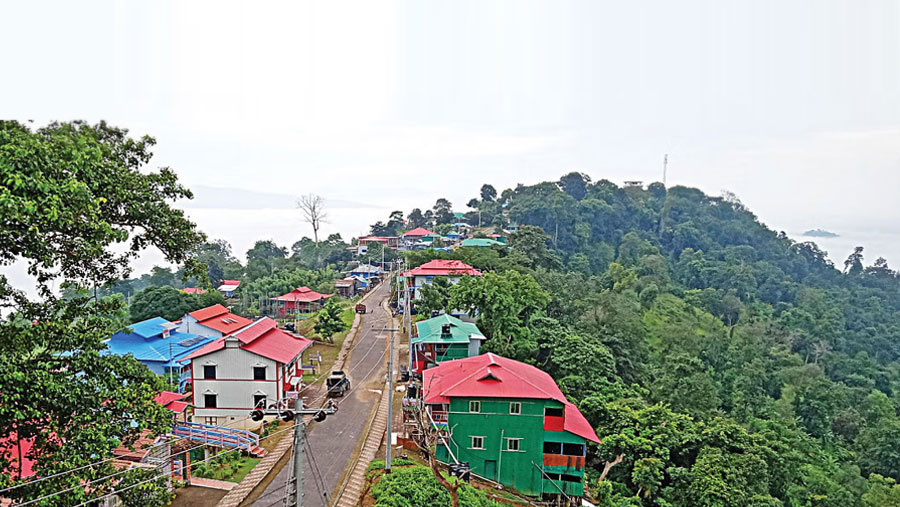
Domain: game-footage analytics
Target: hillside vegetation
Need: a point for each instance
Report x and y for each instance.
(721, 362)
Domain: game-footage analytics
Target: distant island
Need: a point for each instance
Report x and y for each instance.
(820, 233)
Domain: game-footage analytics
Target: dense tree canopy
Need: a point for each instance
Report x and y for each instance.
(69, 192)
(721, 362)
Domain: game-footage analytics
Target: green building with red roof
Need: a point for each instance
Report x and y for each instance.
(510, 422)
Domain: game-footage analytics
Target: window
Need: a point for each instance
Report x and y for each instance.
(477, 443)
(553, 412)
(259, 401)
(552, 448)
(474, 407)
(513, 444)
(564, 477)
(212, 421)
(515, 408)
(209, 371)
(573, 449)
(259, 373)
(209, 400)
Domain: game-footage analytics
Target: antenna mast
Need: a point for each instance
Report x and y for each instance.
(665, 166)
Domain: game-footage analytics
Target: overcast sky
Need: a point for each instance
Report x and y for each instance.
(793, 106)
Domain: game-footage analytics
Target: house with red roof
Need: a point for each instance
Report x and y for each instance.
(299, 300)
(257, 364)
(213, 321)
(450, 268)
(510, 422)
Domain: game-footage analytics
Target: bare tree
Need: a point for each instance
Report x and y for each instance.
(312, 207)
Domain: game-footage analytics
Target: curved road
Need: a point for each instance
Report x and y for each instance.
(334, 440)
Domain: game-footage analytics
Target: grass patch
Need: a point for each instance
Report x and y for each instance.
(226, 468)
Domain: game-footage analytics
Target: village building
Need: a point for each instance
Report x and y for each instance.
(510, 422)
(367, 271)
(481, 243)
(362, 244)
(299, 300)
(158, 344)
(258, 365)
(213, 321)
(416, 278)
(346, 287)
(443, 338)
(229, 287)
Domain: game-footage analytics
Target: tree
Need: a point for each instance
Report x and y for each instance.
(415, 218)
(329, 320)
(263, 258)
(504, 303)
(93, 190)
(312, 209)
(169, 303)
(575, 184)
(488, 192)
(434, 296)
(853, 265)
(443, 211)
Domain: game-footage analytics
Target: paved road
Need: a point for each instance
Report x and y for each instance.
(334, 440)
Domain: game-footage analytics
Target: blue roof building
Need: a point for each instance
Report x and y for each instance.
(157, 344)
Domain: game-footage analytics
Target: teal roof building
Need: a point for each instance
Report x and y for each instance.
(443, 338)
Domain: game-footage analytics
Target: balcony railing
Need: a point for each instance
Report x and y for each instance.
(560, 460)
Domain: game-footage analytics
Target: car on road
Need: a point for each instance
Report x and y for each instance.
(337, 384)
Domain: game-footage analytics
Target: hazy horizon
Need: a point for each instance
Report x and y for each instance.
(791, 106)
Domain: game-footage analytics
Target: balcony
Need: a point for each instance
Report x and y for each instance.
(563, 461)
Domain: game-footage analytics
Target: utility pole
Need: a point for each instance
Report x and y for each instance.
(390, 407)
(296, 414)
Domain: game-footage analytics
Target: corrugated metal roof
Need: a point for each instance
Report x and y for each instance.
(157, 349)
(443, 267)
(430, 331)
(302, 294)
(493, 376)
(150, 327)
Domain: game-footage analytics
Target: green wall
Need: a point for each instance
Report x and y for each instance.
(516, 468)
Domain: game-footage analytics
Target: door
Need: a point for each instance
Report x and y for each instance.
(490, 469)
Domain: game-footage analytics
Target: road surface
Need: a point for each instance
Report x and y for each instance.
(334, 440)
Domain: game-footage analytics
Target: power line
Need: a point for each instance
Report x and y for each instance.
(127, 470)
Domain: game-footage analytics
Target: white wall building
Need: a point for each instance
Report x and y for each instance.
(234, 373)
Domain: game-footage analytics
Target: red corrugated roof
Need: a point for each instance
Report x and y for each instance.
(231, 282)
(193, 290)
(278, 345)
(262, 338)
(166, 397)
(418, 231)
(443, 267)
(219, 318)
(303, 294)
(493, 376)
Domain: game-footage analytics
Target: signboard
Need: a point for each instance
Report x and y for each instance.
(291, 395)
(315, 357)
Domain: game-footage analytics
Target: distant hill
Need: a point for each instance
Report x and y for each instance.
(820, 233)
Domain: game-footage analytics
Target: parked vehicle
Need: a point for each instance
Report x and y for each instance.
(337, 384)
(360, 308)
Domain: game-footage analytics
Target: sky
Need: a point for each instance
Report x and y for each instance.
(791, 105)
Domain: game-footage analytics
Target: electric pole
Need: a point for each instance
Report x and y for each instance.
(390, 407)
(296, 414)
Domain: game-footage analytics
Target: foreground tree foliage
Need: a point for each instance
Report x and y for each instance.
(720, 362)
(68, 192)
(416, 485)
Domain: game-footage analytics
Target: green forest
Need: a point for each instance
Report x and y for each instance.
(721, 362)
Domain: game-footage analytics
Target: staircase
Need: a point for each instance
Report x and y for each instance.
(221, 436)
